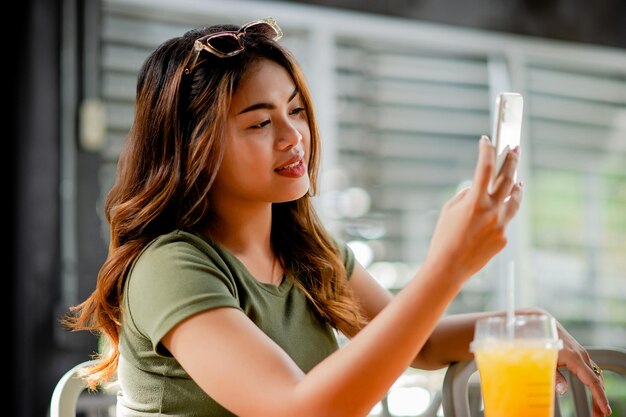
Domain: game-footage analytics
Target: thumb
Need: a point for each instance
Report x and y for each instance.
(561, 383)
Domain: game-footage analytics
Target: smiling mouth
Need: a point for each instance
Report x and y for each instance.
(292, 165)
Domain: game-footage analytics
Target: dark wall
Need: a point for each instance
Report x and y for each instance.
(40, 350)
(35, 262)
(601, 22)
(35, 226)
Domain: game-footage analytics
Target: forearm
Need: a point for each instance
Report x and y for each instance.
(369, 364)
(450, 340)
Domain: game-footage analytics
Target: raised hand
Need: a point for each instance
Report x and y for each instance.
(471, 227)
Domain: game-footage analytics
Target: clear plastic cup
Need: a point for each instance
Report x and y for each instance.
(517, 364)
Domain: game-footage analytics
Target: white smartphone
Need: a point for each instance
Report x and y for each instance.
(507, 127)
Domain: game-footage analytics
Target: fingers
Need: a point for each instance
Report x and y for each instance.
(511, 206)
(579, 363)
(504, 190)
(561, 383)
(484, 167)
(596, 386)
(595, 382)
(600, 405)
(504, 186)
(596, 411)
(506, 178)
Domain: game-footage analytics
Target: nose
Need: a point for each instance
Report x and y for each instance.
(288, 136)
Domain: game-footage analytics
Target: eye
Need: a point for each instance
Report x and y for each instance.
(297, 110)
(260, 125)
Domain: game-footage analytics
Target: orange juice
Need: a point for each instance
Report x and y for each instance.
(517, 377)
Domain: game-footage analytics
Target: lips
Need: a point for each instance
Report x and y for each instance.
(290, 163)
(293, 167)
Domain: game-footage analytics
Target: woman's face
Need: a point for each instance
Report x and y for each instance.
(267, 145)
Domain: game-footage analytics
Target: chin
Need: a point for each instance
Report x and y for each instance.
(292, 195)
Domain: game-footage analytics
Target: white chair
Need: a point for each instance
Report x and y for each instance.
(461, 397)
(67, 390)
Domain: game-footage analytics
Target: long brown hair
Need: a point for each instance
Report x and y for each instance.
(165, 173)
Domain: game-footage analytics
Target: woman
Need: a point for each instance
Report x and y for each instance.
(222, 289)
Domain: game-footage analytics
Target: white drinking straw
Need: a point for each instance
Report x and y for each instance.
(510, 302)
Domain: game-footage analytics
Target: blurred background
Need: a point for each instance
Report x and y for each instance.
(403, 89)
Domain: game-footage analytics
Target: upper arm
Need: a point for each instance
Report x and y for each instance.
(234, 362)
(370, 294)
(173, 279)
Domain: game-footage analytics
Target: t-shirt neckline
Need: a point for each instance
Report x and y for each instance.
(281, 289)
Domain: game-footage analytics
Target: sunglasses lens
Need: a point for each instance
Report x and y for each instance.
(226, 43)
(264, 29)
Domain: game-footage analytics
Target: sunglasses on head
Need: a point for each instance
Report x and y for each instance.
(229, 43)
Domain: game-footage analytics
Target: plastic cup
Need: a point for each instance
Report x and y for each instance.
(517, 366)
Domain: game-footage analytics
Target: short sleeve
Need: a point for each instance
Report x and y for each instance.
(347, 256)
(175, 277)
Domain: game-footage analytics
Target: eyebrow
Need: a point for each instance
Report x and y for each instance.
(269, 106)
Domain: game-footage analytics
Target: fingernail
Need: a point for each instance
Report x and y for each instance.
(561, 388)
(485, 138)
(609, 408)
(521, 184)
(517, 150)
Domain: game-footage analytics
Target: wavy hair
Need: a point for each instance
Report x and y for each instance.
(165, 172)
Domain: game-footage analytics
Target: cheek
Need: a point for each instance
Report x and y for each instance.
(244, 164)
(305, 130)
(306, 142)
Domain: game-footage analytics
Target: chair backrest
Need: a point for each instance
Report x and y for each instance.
(67, 390)
(456, 384)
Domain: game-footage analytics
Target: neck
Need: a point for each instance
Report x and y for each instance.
(243, 229)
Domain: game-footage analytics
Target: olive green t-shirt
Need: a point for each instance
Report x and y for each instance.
(181, 274)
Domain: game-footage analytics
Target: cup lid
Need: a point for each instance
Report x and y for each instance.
(532, 327)
(499, 343)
